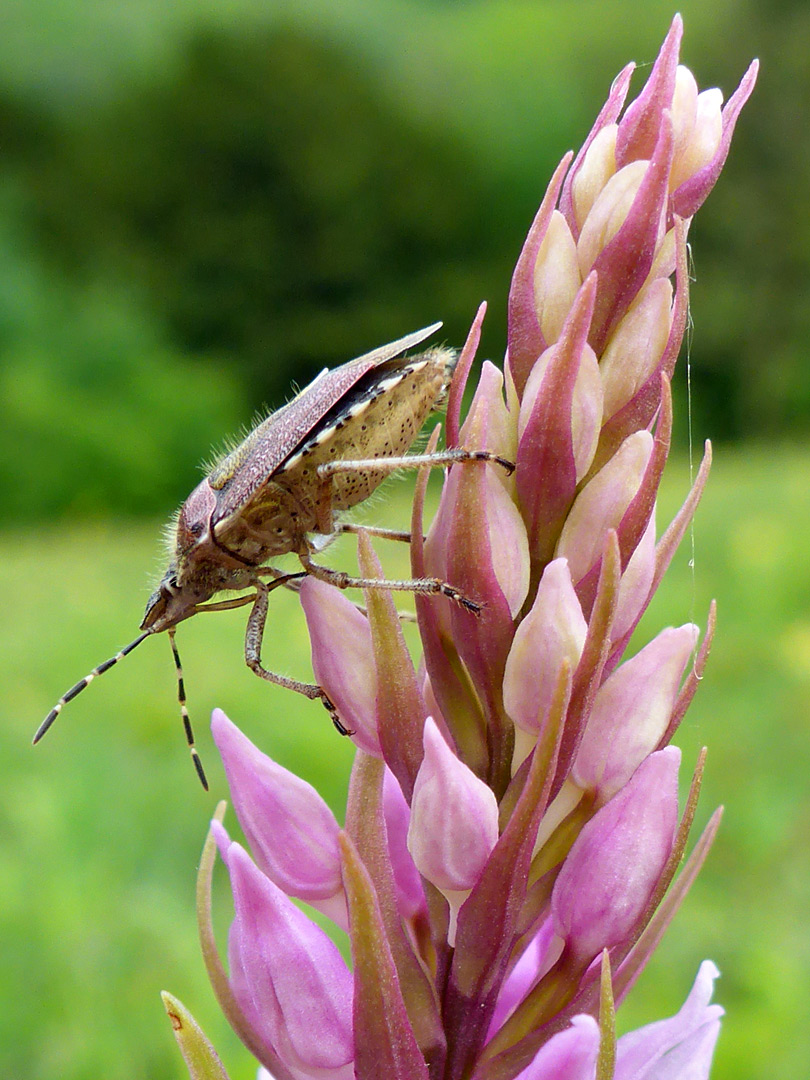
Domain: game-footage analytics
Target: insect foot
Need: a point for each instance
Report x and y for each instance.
(331, 708)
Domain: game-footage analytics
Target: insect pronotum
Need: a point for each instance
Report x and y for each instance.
(281, 490)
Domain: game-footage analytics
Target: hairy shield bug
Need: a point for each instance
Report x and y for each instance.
(281, 490)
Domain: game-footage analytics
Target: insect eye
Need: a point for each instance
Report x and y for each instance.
(196, 528)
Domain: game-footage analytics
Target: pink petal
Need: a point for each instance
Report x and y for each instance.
(614, 865)
(631, 712)
(454, 817)
(343, 659)
(291, 831)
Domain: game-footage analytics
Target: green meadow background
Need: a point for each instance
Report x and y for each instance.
(201, 204)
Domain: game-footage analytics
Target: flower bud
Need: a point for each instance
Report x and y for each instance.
(568, 1055)
(410, 893)
(631, 712)
(616, 861)
(679, 1047)
(690, 195)
(683, 109)
(609, 213)
(636, 345)
(288, 978)
(291, 831)
(602, 503)
(343, 659)
(698, 127)
(454, 820)
(637, 579)
(556, 277)
(585, 410)
(598, 166)
(553, 632)
(539, 955)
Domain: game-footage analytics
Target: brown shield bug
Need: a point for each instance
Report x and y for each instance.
(281, 490)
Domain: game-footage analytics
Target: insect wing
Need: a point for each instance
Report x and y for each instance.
(240, 477)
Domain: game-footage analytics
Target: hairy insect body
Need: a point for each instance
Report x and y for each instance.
(235, 521)
(280, 492)
(380, 420)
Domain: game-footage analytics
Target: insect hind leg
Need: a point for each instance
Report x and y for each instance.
(435, 459)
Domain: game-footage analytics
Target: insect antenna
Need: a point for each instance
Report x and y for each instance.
(181, 697)
(85, 682)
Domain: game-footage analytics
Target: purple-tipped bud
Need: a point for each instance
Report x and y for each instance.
(585, 409)
(552, 633)
(636, 345)
(454, 820)
(556, 277)
(680, 1048)
(609, 212)
(691, 193)
(288, 978)
(291, 831)
(343, 659)
(611, 871)
(491, 414)
(602, 503)
(539, 955)
(698, 126)
(631, 712)
(597, 167)
(475, 502)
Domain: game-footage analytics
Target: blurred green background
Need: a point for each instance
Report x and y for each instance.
(203, 202)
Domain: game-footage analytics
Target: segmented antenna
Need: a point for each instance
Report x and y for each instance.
(181, 697)
(85, 682)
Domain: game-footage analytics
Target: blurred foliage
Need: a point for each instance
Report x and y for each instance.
(100, 411)
(751, 244)
(266, 207)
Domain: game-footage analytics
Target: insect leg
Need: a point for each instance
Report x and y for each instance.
(226, 605)
(181, 697)
(295, 586)
(291, 581)
(430, 586)
(372, 530)
(437, 459)
(253, 654)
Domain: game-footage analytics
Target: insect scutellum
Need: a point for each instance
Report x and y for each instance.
(281, 490)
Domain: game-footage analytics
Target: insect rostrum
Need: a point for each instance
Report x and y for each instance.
(281, 490)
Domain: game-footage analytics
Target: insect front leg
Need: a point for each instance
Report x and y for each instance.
(429, 586)
(254, 635)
